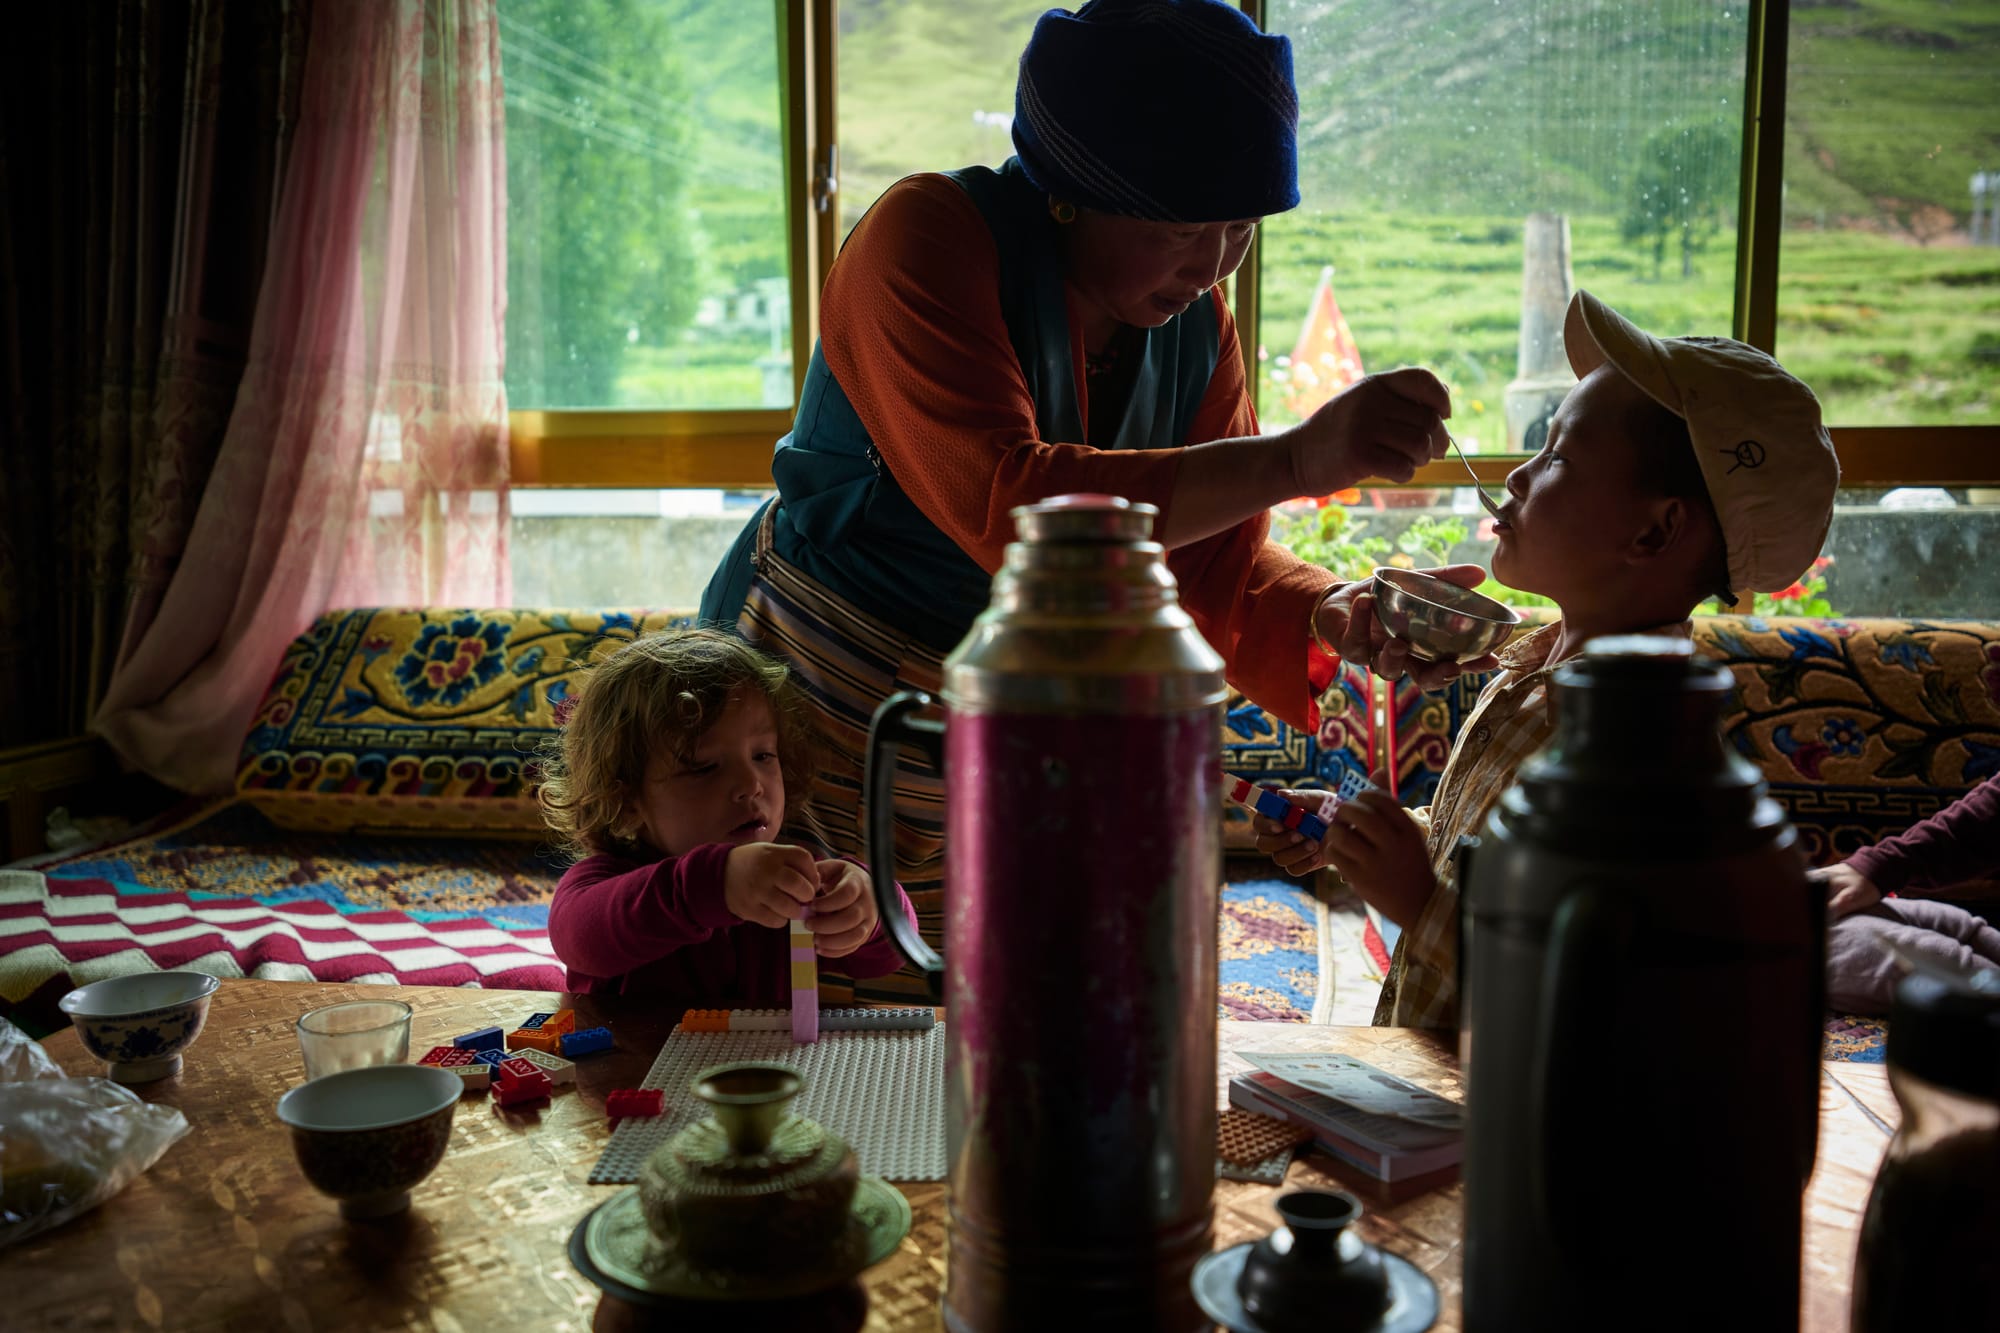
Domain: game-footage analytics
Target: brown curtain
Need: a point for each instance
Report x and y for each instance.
(141, 150)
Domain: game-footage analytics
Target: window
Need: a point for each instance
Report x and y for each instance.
(925, 87)
(645, 205)
(1446, 151)
(1890, 262)
(1461, 165)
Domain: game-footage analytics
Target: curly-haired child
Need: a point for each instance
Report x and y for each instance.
(668, 783)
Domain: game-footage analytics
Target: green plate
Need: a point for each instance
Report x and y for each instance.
(610, 1246)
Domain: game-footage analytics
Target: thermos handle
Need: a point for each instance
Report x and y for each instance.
(893, 725)
(1589, 940)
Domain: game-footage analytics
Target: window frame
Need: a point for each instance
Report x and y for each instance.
(731, 448)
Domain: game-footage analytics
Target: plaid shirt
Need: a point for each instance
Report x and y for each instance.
(1510, 722)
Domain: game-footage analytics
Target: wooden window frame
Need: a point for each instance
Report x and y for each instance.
(731, 449)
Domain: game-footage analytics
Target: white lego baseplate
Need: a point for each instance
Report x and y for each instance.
(883, 1092)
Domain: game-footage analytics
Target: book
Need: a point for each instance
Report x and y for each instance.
(1387, 1147)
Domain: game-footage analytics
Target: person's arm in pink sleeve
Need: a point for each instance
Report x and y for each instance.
(606, 921)
(1959, 842)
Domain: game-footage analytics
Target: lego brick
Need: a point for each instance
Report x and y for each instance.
(876, 1020)
(485, 1039)
(516, 1067)
(564, 1020)
(849, 1078)
(533, 1039)
(857, 1018)
(533, 1021)
(513, 1092)
(436, 1055)
(587, 1042)
(805, 982)
(629, 1102)
(561, 1072)
(1244, 1138)
(477, 1076)
(449, 1057)
(1270, 1171)
(491, 1059)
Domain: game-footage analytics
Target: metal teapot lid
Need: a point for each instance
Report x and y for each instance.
(1945, 1029)
(1313, 1274)
(1085, 517)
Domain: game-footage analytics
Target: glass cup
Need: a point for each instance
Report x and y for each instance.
(355, 1035)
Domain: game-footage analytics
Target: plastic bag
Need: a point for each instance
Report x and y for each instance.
(67, 1144)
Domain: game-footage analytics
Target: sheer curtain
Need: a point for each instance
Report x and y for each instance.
(365, 459)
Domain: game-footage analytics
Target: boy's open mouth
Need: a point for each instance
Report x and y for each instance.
(754, 824)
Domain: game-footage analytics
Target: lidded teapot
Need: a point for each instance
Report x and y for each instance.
(755, 1185)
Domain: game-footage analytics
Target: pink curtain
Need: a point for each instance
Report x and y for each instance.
(365, 460)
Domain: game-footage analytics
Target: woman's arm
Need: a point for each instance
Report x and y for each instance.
(912, 328)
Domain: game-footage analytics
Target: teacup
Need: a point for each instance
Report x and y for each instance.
(140, 1024)
(366, 1136)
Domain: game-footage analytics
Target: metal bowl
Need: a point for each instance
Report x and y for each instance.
(1441, 621)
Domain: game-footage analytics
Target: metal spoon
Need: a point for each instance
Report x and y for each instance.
(1485, 499)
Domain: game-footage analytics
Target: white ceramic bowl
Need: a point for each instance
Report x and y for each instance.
(139, 1025)
(366, 1136)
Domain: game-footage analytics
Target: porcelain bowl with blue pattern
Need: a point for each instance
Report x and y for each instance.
(140, 1024)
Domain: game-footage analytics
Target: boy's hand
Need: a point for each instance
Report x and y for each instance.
(844, 914)
(1346, 622)
(1295, 853)
(1847, 890)
(1379, 850)
(769, 883)
(1383, 426)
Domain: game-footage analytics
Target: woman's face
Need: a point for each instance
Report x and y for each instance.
(1144, 273)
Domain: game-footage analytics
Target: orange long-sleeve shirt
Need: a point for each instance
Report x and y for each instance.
(912, 328)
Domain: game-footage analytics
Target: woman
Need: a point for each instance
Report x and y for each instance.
(991, 338)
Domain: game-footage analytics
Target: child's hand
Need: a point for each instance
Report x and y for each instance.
(1295, 853)
(769, 883)
(1847, 890)
(1379, 850)
(844, 914)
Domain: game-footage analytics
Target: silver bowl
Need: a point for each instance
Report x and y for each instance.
(1440, 621)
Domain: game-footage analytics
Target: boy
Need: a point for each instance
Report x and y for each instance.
(1675, 470)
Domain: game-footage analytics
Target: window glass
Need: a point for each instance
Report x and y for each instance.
(1911, 552)
(628, 548)
(1889, 274)
(1463, 166)
(925, 87)
(646, 256)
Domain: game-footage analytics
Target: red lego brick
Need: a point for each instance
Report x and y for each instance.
(628, 1102)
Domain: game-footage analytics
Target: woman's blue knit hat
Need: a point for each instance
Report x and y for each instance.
(1171, 110)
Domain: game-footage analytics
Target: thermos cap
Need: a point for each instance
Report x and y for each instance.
(1946, 1031)
(1085, 517)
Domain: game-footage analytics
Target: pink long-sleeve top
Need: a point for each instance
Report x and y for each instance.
(1960, 842)
(660, 929)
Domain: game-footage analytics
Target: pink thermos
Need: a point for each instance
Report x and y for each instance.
(1083, 858)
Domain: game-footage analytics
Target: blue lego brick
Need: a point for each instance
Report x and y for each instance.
(1273, 806)
(877, 1020)
(587, 1042)
(492, 1057)
(486, 1039)
(535, 1021)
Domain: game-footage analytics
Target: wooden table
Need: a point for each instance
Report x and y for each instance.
(223, 1232)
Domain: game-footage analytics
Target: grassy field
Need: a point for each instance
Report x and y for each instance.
(1887, 331)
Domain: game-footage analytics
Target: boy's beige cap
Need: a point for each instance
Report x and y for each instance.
(1756, 429)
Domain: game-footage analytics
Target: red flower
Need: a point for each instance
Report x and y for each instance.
(1791, 594)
